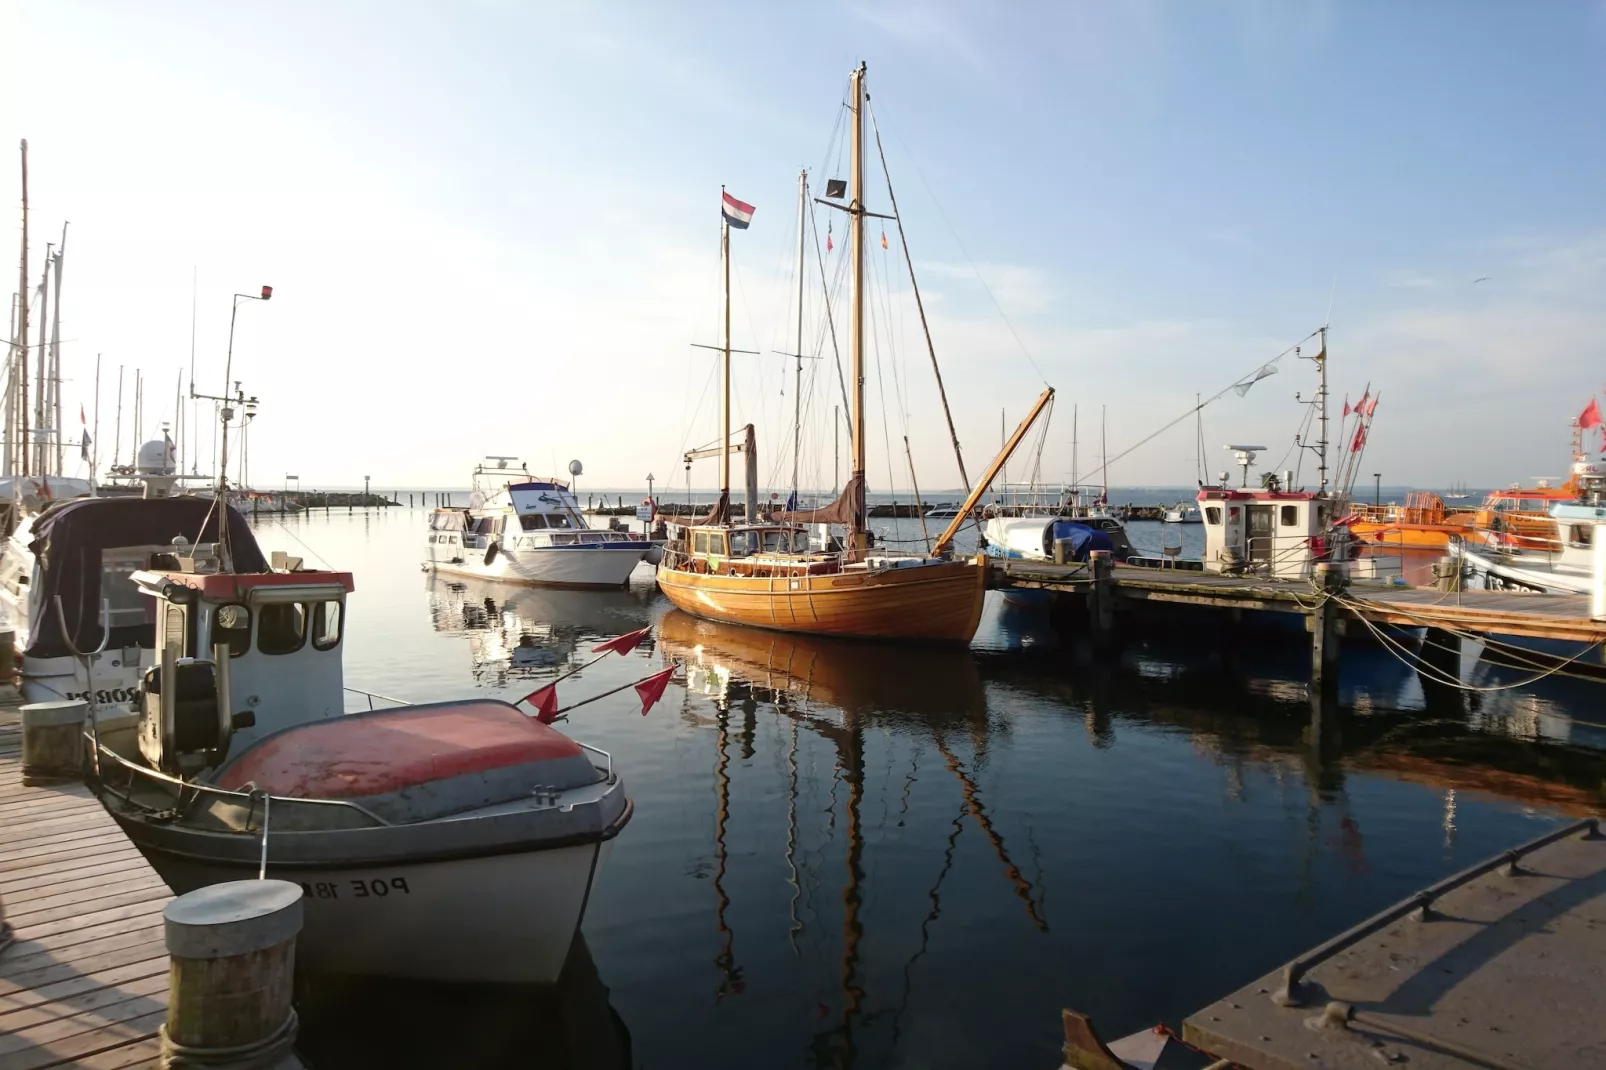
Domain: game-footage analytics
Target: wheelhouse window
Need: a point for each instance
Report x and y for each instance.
(282, 629)
(1212, 514)
(532, 522)
(707, 542)
(777, 542)
(231, 627)
(741, 543)
(559, 520)
(1290, 516)
(326, 621)
(1535, 505)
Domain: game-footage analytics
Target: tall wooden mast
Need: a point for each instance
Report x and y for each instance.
(797, 355)
(725, 372)
(857, 542)
(17, 403)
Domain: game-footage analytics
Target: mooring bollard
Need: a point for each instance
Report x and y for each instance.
(52, 740)
(8, 654)
(7, 937)
(233, 962)
(1063, 551)
(1448, 571)
(1101, 597)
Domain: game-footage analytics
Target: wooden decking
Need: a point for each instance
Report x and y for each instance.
(85, 984)
(1548, 616)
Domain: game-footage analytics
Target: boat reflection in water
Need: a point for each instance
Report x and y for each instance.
(348, 1023)
(529, 632)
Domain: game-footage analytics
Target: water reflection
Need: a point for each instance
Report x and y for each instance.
(348, 1024)
(517, 633)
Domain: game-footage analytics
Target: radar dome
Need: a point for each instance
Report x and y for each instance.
(157, 458)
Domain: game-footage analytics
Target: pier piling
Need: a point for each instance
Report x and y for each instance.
(233, 958)
(1101, 599)
(52, 740)
(1330, 579)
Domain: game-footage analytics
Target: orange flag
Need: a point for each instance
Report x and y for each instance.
(545, 702)
(623, 644)
(652, 689)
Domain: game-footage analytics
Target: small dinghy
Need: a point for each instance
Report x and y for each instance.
(454, 841)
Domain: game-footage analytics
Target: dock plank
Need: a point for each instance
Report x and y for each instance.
(86, 982)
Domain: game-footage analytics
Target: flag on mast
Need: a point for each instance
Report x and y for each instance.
(652, 688)
(545, 701)
(736, 213)
(1590, 417)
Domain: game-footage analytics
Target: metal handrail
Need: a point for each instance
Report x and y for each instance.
(249, 797)
(605, 754)
(371, 695)
(1289, 993)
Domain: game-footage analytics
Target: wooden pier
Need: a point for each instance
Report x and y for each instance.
(85, 984)
(1546, 616)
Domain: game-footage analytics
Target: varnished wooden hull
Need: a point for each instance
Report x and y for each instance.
(938, 602)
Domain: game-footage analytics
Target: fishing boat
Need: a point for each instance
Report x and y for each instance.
(1567, 564)
(1183, 513)
(519, 529)
(1424, 522)
(789, 571)
(1518, 517)
(450, 841)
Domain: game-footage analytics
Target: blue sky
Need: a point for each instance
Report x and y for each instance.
(492, 227)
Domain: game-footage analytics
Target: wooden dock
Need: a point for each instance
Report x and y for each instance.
(1546, 616)
(1497, 968)
(85, 983)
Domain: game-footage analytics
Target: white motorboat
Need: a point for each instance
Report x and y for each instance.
(527, 530)
(1567, 569)
(1183, 513)
(454, 841)
(1027, 519)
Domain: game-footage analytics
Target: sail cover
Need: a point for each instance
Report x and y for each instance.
(846, 510)
(68, 541)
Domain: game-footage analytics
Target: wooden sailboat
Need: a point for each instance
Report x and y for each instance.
(771, 573)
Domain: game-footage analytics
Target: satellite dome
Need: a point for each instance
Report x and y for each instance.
(157, 458)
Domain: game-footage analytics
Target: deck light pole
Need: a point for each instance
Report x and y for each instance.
(1377, 488)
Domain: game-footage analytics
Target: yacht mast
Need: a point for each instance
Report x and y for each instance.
(725, 347)
(797, 375)
(857, 543)
(40, 451)
(55, 355)
(1321, 407)
(17, 399)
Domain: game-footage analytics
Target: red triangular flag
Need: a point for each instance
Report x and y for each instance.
(545, 702)
(1361, 404)
(1590, 417)
(1359, 440)
(652, 689)
(1346, 406)
(1370, 409)
(623, 644)
(828, 245)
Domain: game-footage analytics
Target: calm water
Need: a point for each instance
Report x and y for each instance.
(855, 855)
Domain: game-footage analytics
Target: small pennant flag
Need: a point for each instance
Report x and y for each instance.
(652, 689)
(1359, 440)
(1243, 387)
(1370, 409)
(81, 418)
(883, 239)
(1360, 406)
(83, 449)
(623, 644)
(545, 702)
(737, 213)
(1347, 409)
(829, 245)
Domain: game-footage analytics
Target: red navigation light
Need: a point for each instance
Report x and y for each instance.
(267, 292)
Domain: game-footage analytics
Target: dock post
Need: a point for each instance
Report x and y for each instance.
(1062, 551)
(1101, 599)
(1597, 585)
(1441, 663)
(233, 961)
(53, 740)
(1330, 579)
(7, 934)
(1448, 572)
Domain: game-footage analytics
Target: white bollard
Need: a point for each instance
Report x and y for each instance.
(53, 740)
(233, 959)
(1597, 581)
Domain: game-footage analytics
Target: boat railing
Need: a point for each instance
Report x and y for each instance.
(245, 798)
(607, 757)
(371, 695)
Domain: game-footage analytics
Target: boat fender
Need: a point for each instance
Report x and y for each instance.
(490, 553)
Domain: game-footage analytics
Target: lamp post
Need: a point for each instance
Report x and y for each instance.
(646, 525)
(1377, 488)
(365, 502)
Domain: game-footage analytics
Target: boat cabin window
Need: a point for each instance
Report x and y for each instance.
(282, 629)
(1578, 534)
(1212, 514)
(486, 525)
(532, 522)
(742, 542)
(707, 542)
(231, 627)
(558, 520)
(777, 542)
(1534, 505)
(1290, 516)
(326, 624)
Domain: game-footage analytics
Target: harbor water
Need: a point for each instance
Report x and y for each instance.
(850, 854)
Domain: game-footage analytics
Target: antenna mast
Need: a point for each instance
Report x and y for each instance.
(1321, 409)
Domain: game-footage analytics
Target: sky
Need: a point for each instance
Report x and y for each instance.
(492, 227)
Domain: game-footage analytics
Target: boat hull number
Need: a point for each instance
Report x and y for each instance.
(356, 888)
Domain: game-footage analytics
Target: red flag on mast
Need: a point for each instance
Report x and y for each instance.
(1590, 417)
(545, 702)
(1347, 409)
(623, 644)
(1370, 409)
(652, 689)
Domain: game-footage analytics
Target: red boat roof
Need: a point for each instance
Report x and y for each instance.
(386, 751)
(1246, 494)
(222, 586)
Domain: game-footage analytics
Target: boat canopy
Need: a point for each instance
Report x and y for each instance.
(69, 541)
(1084, 539)
(415, 763)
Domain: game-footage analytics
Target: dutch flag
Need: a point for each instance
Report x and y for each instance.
(736, 213)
